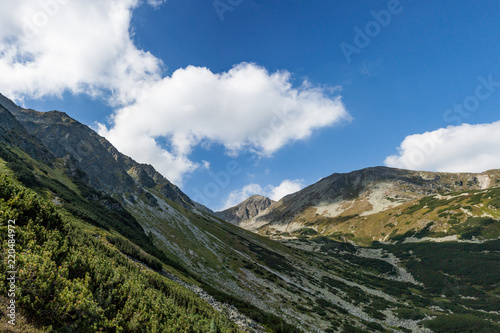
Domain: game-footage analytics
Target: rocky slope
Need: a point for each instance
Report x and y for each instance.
(98, 162)
(246, 210)
(13, 133)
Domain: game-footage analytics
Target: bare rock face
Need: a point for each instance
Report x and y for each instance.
(246, 210)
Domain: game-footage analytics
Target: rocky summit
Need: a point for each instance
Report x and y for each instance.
(246, 210)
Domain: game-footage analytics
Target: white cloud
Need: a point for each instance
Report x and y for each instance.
(246, 108)
(205, 164)
(51, 47)
(81, 46)
(464, 148)
(156, 3)
(275, 193)
(286, 187)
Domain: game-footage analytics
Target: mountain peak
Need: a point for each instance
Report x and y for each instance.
(256, 197)
(247, 209)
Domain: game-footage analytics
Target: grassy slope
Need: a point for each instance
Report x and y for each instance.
(95, 218)
(70, 280)
(464, 215)
(328, 291)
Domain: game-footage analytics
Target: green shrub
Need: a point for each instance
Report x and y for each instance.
(407, 313)
(461, 323)
(495, 203)
(306, 232)
(374, 326)
(68, 281)
(134, 251)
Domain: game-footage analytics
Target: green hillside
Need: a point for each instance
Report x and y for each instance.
(468, 215)
(72, 280)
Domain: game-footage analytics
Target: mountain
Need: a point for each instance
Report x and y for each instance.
(103, 167)
(362, 202)
(107, 243)
(246, 210)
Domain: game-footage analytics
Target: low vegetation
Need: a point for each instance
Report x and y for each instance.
(459, 278)
(69, 280)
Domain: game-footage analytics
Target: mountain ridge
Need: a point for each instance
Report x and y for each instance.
(13, 132)
(361, 193)
(80, 146)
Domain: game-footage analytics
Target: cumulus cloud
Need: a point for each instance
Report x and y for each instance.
(51, 47)
(244, 109)
(81, 46)
(285, 188)
(464, 148)
(275, 193)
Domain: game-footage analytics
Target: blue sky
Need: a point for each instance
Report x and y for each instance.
(403, 89)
